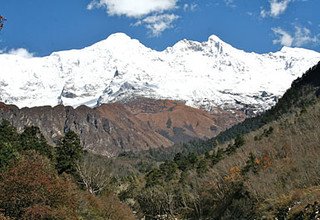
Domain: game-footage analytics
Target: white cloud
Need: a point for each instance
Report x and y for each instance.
(302, 36)
(263, 13)
(190, 7)
(158, 23)
(152, 14)
(277, 7)
(230, 3)
(22, 52)
(283, 37)
(133, 8)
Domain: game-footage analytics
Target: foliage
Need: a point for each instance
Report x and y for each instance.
(69, 152)
(32, 139)
(251, 165)
(157, 200)
(9, 134)
(32, 188)
(7, 154)
(107, 206)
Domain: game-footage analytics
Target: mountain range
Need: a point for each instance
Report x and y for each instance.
(201, 74)
(119, 95)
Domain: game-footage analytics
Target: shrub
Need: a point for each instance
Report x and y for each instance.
(32, 188)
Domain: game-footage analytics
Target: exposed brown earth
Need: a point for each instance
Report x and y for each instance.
(113, 128)
(181, 123)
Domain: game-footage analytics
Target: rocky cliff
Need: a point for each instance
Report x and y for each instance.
(113, 128)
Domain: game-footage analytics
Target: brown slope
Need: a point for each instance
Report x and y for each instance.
(108, 129)
(137, 125)
(179, 122)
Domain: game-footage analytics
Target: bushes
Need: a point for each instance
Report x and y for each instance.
(33, 190)
(7, 154)
(251, 165)
(32, 187)
(296, 204)
(107, 206)
(157, 200)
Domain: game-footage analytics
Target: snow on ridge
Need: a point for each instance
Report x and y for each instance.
(205, 74)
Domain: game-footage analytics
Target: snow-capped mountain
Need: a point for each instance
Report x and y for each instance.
(205, 74)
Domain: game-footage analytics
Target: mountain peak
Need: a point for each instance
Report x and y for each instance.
(221, 46)
(215, 38)
(119, 36)
(285, 48)
(119, 41)
(115, 39)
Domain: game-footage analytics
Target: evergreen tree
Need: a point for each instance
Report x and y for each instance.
(251, 165)
(8, 134)
(239, 141)
(7, 154)
(69, 152)
(9, 144)
(32, 139)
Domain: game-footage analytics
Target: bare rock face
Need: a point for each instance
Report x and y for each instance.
(179, 122)
(137, 125)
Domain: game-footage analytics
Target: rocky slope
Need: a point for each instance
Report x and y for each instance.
(203, 74)
(114, 128)
(180, 123)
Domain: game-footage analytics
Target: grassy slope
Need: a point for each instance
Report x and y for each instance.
(287, 159)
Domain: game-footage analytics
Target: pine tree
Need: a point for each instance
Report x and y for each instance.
(32, 139)
(8, 134)
(69, 152)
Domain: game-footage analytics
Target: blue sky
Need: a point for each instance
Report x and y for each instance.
(44, 26)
